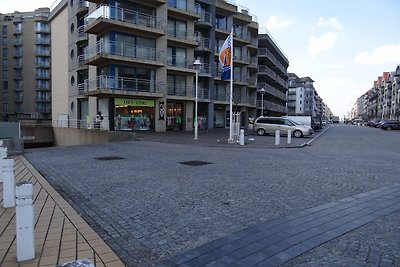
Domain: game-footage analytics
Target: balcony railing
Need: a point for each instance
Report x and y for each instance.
(202, 93)
(80, 32)
(204, 43)
(43, 98)
(45, 29)
(105, 82)
(43, 75)
(221, 96)
(272, 74)
(185, 5)
(179, 62)
(185, 34)
(179, 90)
(271, 90)
(205, 17)
(42, 52)
(271, 106)
(266, 52)
(125, 15)
(43, 40)
(124, 50)
(204, 68)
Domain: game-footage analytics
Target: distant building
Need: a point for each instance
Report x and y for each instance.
(272, 77)
(25, 81)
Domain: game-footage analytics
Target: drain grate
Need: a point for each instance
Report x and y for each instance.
(109, 158)
(195, 163)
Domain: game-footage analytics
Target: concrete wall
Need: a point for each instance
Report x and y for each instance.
(73, 137)
(59, 64)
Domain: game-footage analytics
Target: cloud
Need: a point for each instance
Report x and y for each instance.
(381, 55)
(330, 22)
(316, 45)
(273, 23)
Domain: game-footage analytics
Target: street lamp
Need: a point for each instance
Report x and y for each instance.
(262, 92)
(197, 65)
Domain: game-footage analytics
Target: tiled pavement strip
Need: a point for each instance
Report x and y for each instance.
(278, 241)
(61, 235)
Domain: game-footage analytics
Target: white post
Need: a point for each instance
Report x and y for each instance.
(289, 136)
(3, 155)
(241, 137)
(196, 129)
(24, 222)
(8, 183)
(277, 137)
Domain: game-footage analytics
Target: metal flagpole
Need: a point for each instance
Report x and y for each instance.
(230, 140)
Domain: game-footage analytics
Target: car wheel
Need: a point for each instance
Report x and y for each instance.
(260, 132)
(297, 134)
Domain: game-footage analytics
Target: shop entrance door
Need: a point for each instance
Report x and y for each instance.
(174, 116)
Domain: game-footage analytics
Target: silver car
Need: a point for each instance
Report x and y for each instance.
(268, 125)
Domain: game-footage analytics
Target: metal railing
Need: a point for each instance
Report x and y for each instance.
(185, 6)
(271, 106)
(80, 32)
(183, 33)
(124, 50)
(221, 96)
(204, 43)
(125, 15)
(205, 17)
(179, 62)
(202, 93)
(180, 90)
(272, 74)
(266, 52)
(43, 40)
(271, 90)
(105, 82)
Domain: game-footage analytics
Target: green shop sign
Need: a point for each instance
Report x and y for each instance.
(134, 102)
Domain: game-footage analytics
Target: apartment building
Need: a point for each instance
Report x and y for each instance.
(25, 70)
(272, 77)
(301, 96)
(382, 101)
(131, 63)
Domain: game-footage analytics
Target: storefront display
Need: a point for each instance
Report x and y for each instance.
(174, 116)
(134, 114)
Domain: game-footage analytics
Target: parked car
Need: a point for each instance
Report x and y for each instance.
(390, 125)
(268, 125)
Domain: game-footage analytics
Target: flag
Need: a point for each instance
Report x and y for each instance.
(225, 58)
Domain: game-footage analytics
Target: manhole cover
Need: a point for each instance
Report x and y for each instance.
(195, 163)
(109, 158)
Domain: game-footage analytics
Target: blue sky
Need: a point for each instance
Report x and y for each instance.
(342, 45)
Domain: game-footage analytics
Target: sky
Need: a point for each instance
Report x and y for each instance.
(343, 45)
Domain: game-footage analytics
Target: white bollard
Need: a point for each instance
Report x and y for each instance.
(7, 166)
(277, 137)
(24, 222)
(289, 136)
(3, 152)
(3, 155)
(241, 137)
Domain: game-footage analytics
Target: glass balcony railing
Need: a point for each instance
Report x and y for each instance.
(105, 82)
(183, 33)
(125, 15)
(185, 5)
(179, 90)
(179, 62)
(124, 50)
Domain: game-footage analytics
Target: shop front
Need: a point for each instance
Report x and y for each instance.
(134, 114)
(175, 116)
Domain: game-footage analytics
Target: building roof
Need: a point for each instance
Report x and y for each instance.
(306, 79)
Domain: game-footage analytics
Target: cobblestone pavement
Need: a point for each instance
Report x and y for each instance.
(149, 207)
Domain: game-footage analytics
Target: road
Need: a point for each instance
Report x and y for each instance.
(149, 207)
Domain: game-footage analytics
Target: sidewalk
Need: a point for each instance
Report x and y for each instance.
(61, 235)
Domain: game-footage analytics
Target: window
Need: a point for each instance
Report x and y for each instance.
(5, 63)
(301, 95)
(5, 52)
(5, 41)
(177, 28)
(18, 27)
(176, 85)
(5, 96)
(5, 74)
(5, 107)
(177, 57)
(4, 30)
(5, 85)
(301, 102)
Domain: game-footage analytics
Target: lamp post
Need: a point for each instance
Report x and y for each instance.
(262, 92)
(197, 65)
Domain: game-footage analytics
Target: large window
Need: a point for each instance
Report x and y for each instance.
(177, 28)
(4, 30)
(177, 57)
(176, 85)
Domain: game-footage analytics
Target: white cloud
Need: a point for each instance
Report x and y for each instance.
(319, 44)
(274, 23)
(330, 22)
(381, 55)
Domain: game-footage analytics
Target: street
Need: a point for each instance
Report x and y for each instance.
(149, 207)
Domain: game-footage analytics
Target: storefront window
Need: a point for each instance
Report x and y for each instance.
(174, 116)
(134, 114)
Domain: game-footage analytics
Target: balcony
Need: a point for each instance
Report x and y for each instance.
(205, 20)
(43, 75)
(43, 99)
(43, 64)
(42, 87)
(108, 52)
(18, 65)
(18, 31)
(83, 6)
(43, 41)
(271, 106)
(264, 70)
(224, 28)
(272, 91)
(221, 96)
(105, 84)
(204, 44)
(41, 52)
(81, 35)
(264, 52)
(183, 36)
(180, 90)
(184, 9)
(202, 93)
(18, 42)
(42, 29)
(107, 17)
(44, 110)
(205, 70)
(180, 64)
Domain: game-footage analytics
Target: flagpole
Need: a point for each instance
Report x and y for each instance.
(230, 140)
